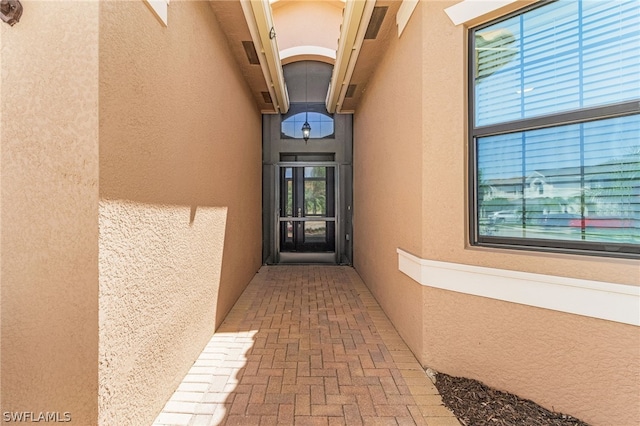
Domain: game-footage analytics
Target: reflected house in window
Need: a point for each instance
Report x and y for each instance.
(541, 192)
(613, 188)
(316, 114)
(554, 129)
(534, 185)
(610, 189)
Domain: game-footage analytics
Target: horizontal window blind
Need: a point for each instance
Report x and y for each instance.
(560, 57)
(558, 178)
(564, 182)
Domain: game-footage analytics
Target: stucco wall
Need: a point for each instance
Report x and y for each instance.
(584, 366)
(387, 208)
(49, 208)
(180, 179)
(574, 364)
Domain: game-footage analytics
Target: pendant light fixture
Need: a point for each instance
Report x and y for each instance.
(306, 128)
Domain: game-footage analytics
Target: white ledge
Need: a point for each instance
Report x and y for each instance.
(160, 9)
(308, 51)
(469, 10)
(595, 299)
(404, 14)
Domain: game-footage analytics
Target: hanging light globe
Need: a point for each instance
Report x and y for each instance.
(306, 131)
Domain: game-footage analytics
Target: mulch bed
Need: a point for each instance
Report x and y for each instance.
(475, 404)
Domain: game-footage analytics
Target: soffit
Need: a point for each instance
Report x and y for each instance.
(371, 53)
(233, 24)
(232, 21)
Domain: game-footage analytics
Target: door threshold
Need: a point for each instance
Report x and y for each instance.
(326, 258)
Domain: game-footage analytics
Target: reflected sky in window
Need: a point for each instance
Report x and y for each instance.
(321, 125)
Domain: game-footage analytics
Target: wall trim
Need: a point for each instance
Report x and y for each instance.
(468, 10)
(595, 299)
(159, 9)
(404, 14)
(320, 51)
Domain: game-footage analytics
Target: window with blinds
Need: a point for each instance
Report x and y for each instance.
(555, 129)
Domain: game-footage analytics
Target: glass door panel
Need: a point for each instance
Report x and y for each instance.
(307, 209)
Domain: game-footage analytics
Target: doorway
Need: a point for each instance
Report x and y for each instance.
(307, 188)
(307, 212)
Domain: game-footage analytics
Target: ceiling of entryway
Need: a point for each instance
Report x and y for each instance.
(266, 35)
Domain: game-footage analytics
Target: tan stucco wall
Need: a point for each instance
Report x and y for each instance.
(583, 366)
(180, 194)
(573, 364)
(387, 211)
(410, 192)
(49, 208)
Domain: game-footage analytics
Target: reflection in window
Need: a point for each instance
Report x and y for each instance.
(561, 57)
(321, 125)
(556, 128)
(573, 182)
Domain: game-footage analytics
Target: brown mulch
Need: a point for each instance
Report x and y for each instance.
(475, 404)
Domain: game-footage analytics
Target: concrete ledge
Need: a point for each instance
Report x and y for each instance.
(595, 299)
(468, 10)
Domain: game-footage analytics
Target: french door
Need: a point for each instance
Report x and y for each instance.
(307, 212)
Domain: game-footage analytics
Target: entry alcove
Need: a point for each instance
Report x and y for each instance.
(307, 185)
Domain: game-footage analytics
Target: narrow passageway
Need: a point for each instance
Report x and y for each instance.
(306, 345)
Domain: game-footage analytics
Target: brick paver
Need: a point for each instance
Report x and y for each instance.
(306, 345)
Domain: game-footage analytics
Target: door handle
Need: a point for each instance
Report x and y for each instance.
(299, 212)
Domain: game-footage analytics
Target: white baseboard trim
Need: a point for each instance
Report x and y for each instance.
(596, 299)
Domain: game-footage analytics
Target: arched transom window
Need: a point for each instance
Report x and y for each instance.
(321, 122)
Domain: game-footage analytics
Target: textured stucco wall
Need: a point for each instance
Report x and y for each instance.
(387, 209)
(562, 361)
(49, 208)
(582, 366)
(586, 367)
(180, 199)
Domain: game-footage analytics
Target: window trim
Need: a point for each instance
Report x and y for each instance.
(160, 9)
(577, 116)
(584, 115)
(468, 11)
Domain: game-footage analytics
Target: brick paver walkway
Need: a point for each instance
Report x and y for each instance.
(306, 345)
